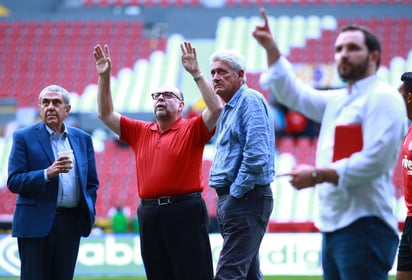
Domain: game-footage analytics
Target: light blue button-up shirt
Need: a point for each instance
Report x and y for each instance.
(69, 191)
(245, 144)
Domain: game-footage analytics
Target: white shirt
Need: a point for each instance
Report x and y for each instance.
(365, 185)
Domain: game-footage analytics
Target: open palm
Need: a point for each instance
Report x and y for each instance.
(102, 57)
(189, 58)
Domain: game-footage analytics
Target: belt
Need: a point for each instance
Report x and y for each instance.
(224, 190)
(165, 200)
(65, 210)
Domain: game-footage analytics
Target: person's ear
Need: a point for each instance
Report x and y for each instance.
(68, 108)
(375, 55)
(409, 97)
(181, 106)
(241, 74)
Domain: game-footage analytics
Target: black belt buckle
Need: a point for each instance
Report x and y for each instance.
(164, 200)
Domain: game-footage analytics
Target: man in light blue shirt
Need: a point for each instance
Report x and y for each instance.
(242, 169)
(356, 193)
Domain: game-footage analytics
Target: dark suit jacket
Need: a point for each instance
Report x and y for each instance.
(36, 203)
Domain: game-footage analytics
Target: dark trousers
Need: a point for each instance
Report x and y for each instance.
(175, 241)
(405, 247)
(54, 256)
(242, 223)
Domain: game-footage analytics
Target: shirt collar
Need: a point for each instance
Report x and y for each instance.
(360, 86)
(235, 98)
(53, 133)
(174, 125)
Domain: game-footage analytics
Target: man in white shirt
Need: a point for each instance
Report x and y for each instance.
(357, 221)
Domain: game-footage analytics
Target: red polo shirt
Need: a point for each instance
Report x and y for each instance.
(167, 163)
(407, 170)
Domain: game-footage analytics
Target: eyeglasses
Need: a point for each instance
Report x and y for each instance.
(166, 95)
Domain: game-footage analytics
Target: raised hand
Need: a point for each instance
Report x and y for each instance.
(103, 62)
(262, 33)
(264, 36)
(189, 58)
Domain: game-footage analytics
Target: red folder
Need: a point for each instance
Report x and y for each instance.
(348, 140)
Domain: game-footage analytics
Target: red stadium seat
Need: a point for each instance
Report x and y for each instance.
(61, 53)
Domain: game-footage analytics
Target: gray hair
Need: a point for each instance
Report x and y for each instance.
(56, 88)
(234, 58)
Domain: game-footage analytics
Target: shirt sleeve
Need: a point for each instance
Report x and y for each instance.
(286, 88)
(46, 179)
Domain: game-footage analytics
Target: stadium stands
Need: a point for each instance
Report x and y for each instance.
(105, 3)
(313, 44)
(309, 2)
(231, 3)
(62, 53)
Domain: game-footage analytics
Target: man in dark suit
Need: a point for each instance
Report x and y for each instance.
(56, 194)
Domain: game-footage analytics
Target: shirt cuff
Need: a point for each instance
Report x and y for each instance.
(339, 166)
(45, 175)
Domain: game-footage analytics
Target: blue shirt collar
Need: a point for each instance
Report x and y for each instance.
(53, 133)
(236, 97)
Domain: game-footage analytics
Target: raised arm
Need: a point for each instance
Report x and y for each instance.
(104, 96)
(265, 38)
(213, 102)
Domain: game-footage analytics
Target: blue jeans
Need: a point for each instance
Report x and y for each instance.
(242, 223)
(363, 250)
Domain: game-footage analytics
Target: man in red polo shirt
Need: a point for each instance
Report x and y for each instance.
(404, 265)
(172, 215)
